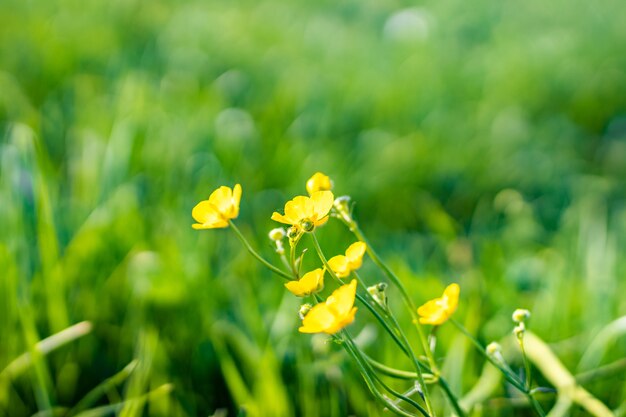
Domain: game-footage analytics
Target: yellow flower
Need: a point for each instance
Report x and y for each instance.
(222, 205)
(309, 283)
(307, 212)
(437, 311)
(342, 265)
(337, 312)
(319, 182)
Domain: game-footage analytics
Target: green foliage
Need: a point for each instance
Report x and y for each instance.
(483, 143)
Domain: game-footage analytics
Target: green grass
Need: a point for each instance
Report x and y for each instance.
(484, 143)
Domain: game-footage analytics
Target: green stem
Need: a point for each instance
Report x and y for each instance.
(526, 364)
(368, 371)
(354, 228)
(320, 253)
(512, 378)
(359, 297)
(372, 385)
(393, 372)
(509, 376)
(255, 254)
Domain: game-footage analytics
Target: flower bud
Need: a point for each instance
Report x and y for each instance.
(493, 348)
(307, 225)
(342, 205)
(520, 315)
(277, 234)
(293, 232)
(304, 310)
(378, 293)
(519, 330)
(319, 182)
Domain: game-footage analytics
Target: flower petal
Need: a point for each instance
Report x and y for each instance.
(222, 199)
(205, 212)
(298, 208)
(342, 299)
(280, 218)
(342, 322)
(355, 253)
(311, 282)
(323, 202)
(318, 319)
(339, 265)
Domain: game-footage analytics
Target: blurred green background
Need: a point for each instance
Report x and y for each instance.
(484, 143)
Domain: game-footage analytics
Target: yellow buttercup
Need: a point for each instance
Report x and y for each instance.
(307, 212)
(319, 182)
(222, 206)
(333, 315)
(310, 283)
(438, 310)
(343, 265)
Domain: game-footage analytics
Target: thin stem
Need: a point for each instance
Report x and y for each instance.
(396, 373)
(406, 349)
(451, 397)
(372, 385)
(512, 378)
(255, 254)
(526, 363)
(359, 357)
(372, 310)
(354, 228)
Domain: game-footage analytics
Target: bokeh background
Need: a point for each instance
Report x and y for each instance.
(483, 142)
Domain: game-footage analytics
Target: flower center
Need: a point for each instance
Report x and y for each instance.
(307, 225)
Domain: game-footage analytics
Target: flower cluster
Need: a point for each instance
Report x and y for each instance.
(304, 214)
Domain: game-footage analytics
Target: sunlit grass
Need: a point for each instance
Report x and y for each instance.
(485, 144)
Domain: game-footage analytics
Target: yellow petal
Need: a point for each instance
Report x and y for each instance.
(298, 209)
(342, 322)
(342, 299)
(209, 218)
(318, 319)
(438, 310)
(233, 210)
(237, 195)
(214, 225)
(339, 265)
(318, 182)
(280, 218)
(311, 282)
(323, 202)
(355, 253)
(452, 291)
(297, 288)
(222, 199)
(321, 221)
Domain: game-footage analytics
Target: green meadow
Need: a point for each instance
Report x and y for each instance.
(481, 143)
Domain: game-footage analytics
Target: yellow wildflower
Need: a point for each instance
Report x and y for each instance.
(307, 212)
(337, 312)
(222, 205)
(342, 265)
(310, 283)
(319, 182)
(437, 311)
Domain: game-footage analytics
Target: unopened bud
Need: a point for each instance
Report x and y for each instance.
(493, 348)
(519, 330)
(342, 205)
(280, 248)
(293, 232)
(307, 225)
(521, 315)
(277, 234)
(304, 310)
(378, 293)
